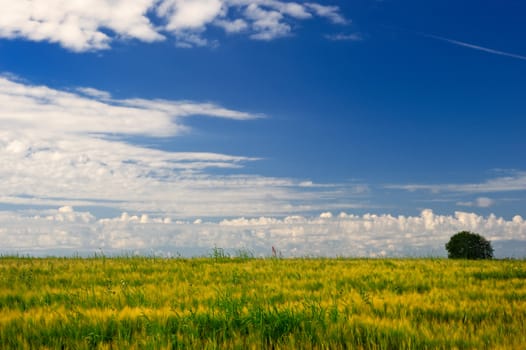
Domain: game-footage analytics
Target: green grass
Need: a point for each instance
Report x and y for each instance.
(247, 303)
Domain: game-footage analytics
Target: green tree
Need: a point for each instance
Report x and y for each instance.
(469, 245)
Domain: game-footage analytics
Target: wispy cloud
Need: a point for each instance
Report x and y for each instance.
(475, 47)
(514, 182)
(68, 148)
(480, 202)
(93, 111)
(345, 37)
(94, 25)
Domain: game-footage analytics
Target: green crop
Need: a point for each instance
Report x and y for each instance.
(249, 303)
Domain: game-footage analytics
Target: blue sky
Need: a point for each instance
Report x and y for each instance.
(379, 125)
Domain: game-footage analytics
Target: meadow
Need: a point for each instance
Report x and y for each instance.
(251, 303)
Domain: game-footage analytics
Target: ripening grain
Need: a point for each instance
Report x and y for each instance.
(138, 303)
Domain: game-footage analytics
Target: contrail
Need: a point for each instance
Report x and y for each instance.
(475, 47)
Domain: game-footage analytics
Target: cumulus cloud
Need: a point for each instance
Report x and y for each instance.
(93, 25)
(78, 26)
(330, 12)
(268, 24)
(235, 26)
(67, 231)
(185, 14)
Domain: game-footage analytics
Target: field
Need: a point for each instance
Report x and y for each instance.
(247, 303)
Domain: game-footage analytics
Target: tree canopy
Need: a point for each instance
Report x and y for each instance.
(469, 245)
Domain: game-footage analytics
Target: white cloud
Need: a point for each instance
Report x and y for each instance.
(187, 108)
(330, 12)
(514, 182)
(98, 94)
(188, 14)
(292, 9)
(77, 25)
(68, 231)
(235, 26)
(60, 148)
(481, 202)
(267, 24)
(41, 109)
(93, 25)
(187, 19)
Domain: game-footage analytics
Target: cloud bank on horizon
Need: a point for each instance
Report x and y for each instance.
(66, 231)
(93, 25)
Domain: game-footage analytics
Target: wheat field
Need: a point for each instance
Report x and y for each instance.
(220, 302)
